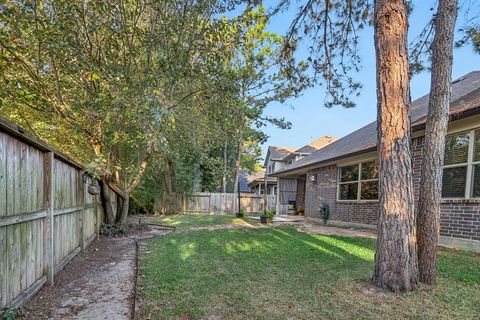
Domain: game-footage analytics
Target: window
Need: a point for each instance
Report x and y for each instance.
(271, 168)
(461, 170)
(358, 181)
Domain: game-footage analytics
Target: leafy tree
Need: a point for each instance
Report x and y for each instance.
(107, 76)
(256, 61)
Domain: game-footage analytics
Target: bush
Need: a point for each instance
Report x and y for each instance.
(268, 214)
(325, 212)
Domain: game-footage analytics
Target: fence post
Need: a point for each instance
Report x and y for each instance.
(209, 203)
(97, 217)
(238, 195)
(184, 200)
(48, 225)
(81, 217)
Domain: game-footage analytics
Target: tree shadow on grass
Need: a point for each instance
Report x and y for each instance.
(249, 267)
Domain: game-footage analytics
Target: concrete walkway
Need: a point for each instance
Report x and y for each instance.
(282, 219)
(98, 284)
(336, 231)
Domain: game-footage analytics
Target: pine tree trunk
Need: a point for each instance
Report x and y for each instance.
(428, 213)
(396, 257)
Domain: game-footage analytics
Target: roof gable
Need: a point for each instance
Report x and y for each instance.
(277, 153)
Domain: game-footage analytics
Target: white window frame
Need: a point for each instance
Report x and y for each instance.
(469, 164)
(358, 181)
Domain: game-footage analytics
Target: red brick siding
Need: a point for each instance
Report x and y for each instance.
(324, 190)
(459, 218)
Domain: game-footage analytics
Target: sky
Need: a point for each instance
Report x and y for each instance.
(311, 119)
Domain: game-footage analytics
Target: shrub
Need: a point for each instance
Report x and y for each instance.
(325, 212)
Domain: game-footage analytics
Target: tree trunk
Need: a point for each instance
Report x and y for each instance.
(107, 203)
(223, 187)
(237, 166)
(428, 213)
(119, 208)
(122, 219)
(396, 257)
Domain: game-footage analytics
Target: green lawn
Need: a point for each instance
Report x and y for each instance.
(280, 273)
(183, 221)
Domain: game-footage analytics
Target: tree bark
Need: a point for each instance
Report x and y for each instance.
(396, 257)
(237, 166)
(107, 203)
(122, 219)
(428, 213)
(223, 187)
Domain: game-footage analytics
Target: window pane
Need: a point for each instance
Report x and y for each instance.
(476, 181)
(456, 148)
(348, 191)
(369, 170)
(476, 150)
(454, 180)
(369, 190)
(349, 173)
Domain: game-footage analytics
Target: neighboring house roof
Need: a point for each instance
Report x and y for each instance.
(465, 100)
(243, 176)
(311, 147)
(259, 177)
(277, 153)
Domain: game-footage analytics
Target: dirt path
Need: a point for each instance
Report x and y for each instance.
(98, 284)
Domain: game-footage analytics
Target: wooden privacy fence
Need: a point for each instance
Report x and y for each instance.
(46, 214)
(227, 203)
(214, 203)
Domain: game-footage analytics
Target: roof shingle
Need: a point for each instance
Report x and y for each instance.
(465, 96)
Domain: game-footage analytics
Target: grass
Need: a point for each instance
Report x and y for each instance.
(280, 273)
(183, 221)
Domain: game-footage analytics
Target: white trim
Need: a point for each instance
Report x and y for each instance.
(468, 193)
(471, 146)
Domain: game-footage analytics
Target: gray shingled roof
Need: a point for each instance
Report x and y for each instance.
(465, 96)
(279, 152)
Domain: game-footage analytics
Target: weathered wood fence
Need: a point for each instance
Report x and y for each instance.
(214, 203)
(46, 214)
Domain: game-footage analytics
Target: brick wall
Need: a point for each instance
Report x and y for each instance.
(459, 218)
(324, 190)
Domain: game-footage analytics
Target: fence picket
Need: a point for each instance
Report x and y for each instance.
(36, 184)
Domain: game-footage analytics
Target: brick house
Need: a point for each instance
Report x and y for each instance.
(344, 174)
(278, 158)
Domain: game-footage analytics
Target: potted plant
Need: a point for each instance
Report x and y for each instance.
(266, 217)
(301, 211)
(241, 213)
(325, 212)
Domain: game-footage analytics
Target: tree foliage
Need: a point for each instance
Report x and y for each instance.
(135, 87)
(330, 30)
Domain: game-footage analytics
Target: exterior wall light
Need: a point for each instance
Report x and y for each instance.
(313, 178)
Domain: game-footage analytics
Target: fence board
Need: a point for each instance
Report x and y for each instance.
(3, 176)
(215, 203)
(40, 213)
